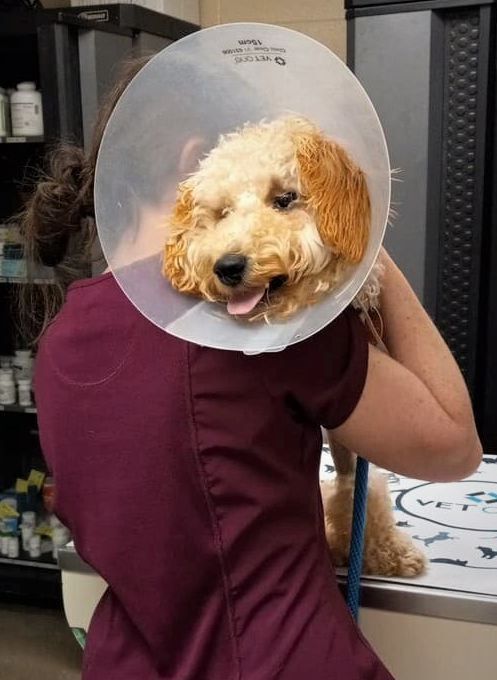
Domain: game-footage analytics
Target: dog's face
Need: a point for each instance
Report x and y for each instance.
(269, 222)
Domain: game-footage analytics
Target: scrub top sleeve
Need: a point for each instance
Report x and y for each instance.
(326, 373)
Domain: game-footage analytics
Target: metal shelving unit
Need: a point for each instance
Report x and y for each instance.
(43, 562)
(22, 140)
(16, 408)
(71, 54)
(21, 280)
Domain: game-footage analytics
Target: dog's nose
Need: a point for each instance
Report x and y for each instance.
(230, 269)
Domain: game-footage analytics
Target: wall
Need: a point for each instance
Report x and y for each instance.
(323, 20)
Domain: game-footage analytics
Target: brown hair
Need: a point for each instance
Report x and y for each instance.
(58, 222)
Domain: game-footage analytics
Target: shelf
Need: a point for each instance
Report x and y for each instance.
(23, 280)
(22, 140)
(42, 563)
(15, 408)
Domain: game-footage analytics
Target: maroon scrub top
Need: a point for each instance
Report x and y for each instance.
(189, 478)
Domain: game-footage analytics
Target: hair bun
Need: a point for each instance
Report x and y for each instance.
(55, 210)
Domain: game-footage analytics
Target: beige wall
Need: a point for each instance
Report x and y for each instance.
(321, 19)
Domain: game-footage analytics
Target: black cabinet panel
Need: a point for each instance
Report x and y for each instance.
(454, 171)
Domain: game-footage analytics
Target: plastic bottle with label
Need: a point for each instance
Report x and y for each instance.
(4, 114)
(23, 364)
(4, 232)
(27, 533)
(4, 545)
(26, 111)
(29, 519)
(7, 387)
(5, 361)
(35, 546)
(24, 392)
(13, 547)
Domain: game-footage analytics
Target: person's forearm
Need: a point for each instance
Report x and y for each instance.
(413, 340)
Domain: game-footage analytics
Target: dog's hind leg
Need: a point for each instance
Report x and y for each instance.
(343, 459)
(338, 499)
(388, 551)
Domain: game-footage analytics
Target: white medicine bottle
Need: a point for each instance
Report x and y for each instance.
(26, 111)
(7, 387)
(4, 113)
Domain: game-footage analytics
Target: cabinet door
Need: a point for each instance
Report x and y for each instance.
(60, 82)
(427, 73)
(77, 67)
(488, 372)
(99, 57)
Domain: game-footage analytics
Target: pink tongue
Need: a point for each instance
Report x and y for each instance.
(243, 303)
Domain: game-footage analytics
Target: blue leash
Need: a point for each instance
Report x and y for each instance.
(357, 536)
(359, 514)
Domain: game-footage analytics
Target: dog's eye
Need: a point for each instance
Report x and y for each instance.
(220, 213)
(285, 200)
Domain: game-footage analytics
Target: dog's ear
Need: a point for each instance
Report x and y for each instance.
(180, 222)
(336, 190)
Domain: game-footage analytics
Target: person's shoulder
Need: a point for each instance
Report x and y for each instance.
(326, 372)
(338, 333)
(104, 282)
(330, 347)
(93, 334)
(100, 294)
(93, 307)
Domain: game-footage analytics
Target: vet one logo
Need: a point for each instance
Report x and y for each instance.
(250, 50)
(459, 505)
(482, 497)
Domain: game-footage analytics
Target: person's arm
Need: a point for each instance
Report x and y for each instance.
(414, 416)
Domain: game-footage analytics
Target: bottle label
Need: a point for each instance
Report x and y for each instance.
(7, 511)
(26, 118)
(3, 119)
(36, 479)
(7, 393)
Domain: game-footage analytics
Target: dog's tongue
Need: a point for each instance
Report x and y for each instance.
(243, 303)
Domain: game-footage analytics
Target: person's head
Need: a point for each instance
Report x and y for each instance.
(61, 209)
(58, 222)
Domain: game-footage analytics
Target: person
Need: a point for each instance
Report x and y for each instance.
(189, 476)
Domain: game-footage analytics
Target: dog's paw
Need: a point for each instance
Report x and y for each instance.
(412, 562)
(338, 545)
(388, 551)
(394, 555)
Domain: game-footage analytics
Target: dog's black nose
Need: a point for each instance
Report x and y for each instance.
(230, 269)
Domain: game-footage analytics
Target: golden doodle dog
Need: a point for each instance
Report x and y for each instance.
(267, 225)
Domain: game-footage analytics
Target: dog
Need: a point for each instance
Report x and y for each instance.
(271, 222)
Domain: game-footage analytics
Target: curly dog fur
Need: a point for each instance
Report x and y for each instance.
(387, 550)
(234, 204)
(269, 223)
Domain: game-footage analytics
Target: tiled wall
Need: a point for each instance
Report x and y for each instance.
(321, 19)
